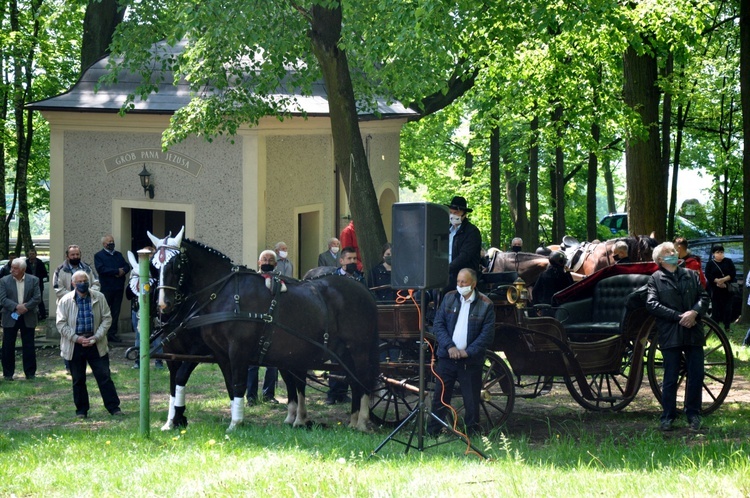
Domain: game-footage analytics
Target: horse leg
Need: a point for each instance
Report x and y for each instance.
(237, 388)
(360, 412)
(296, 407)
(291, 388)
(179, 373)
(301, 420)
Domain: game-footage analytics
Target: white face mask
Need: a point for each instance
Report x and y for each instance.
(282, 254)
(335, 250)
(464, 291)
(455, 220)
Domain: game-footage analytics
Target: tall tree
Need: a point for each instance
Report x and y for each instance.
(745, 99)
(647, 188)
(99, 24)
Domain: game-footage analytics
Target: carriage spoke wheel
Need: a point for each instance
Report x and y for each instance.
(718, 365)
(610, 390)
(497, 396)
(397, 392)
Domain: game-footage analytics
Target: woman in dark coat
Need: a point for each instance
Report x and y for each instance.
(380, 276)
(720, 272)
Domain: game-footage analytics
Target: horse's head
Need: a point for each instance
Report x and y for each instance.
(645, 245)
(169, 262)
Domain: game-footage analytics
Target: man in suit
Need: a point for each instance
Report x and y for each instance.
(113, 274)
(19, 298)
(331, 256)
(464, 242)
(35, 266)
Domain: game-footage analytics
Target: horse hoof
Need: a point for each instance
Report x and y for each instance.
(168, 426)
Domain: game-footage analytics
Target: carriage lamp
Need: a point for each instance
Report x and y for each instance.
(148, 187)
(518, 294)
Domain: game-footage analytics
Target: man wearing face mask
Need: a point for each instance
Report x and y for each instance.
(464, 241)
(83, 319)
(283, 265)
(266, 264)
(516, 245)
(337, 389)
(113, 275)
(348, 265)
(330, 257)
(62, 280)
(678, 301)
(620, 252)
(464, 327)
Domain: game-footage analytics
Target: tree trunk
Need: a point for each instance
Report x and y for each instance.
(99, 23)
(666, 137)
(646, 185)
(745, 104)
(4, 106)
(534, 239)
(592, 174)
(23, 64)
(496, 219)
(557, 184)
(348, 150)
(609, 183)
(681, 120)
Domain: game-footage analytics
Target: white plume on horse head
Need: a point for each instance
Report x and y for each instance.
(134, 276)
(166, 248)
(169, 241)
(134, 282)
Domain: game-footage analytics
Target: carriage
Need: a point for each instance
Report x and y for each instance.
(598, 342)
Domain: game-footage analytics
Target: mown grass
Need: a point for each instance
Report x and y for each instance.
(46, 452)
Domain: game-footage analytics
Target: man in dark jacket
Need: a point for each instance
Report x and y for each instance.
(465, 242)
(113, 272)
(464, 327)
(678, 301)
(552, 280)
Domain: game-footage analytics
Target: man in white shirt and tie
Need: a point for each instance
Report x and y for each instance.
(464, 327)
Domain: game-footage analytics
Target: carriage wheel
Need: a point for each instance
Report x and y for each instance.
(397, 392)
(610, 389)
(718, 365)
(498, 393)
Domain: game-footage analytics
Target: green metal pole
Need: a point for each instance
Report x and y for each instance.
(144, 331)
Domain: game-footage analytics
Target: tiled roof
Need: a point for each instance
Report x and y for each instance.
(84, 97)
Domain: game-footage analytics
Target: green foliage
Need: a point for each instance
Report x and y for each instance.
(56, 455)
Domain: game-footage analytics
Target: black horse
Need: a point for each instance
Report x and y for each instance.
(246, 318)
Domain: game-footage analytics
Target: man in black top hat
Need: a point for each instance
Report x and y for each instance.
(464, 244)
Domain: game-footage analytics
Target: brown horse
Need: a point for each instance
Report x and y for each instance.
(527, 265)
(589, 257)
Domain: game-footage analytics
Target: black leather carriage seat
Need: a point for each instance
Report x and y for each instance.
(603, 313)
(497, 282)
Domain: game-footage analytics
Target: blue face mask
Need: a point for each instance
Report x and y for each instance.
(670, 260)
(82, 287)
(111, 246)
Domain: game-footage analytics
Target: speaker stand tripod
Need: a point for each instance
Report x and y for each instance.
(418, 415)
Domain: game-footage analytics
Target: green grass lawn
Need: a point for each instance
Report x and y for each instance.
(550, 447)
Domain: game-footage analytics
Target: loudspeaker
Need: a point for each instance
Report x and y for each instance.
(420, 246)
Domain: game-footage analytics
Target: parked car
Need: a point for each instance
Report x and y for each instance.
(617, 222)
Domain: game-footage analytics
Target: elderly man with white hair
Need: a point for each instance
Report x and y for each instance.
(678, 301)
(83, 319)
(19, 297)
(620, 252)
